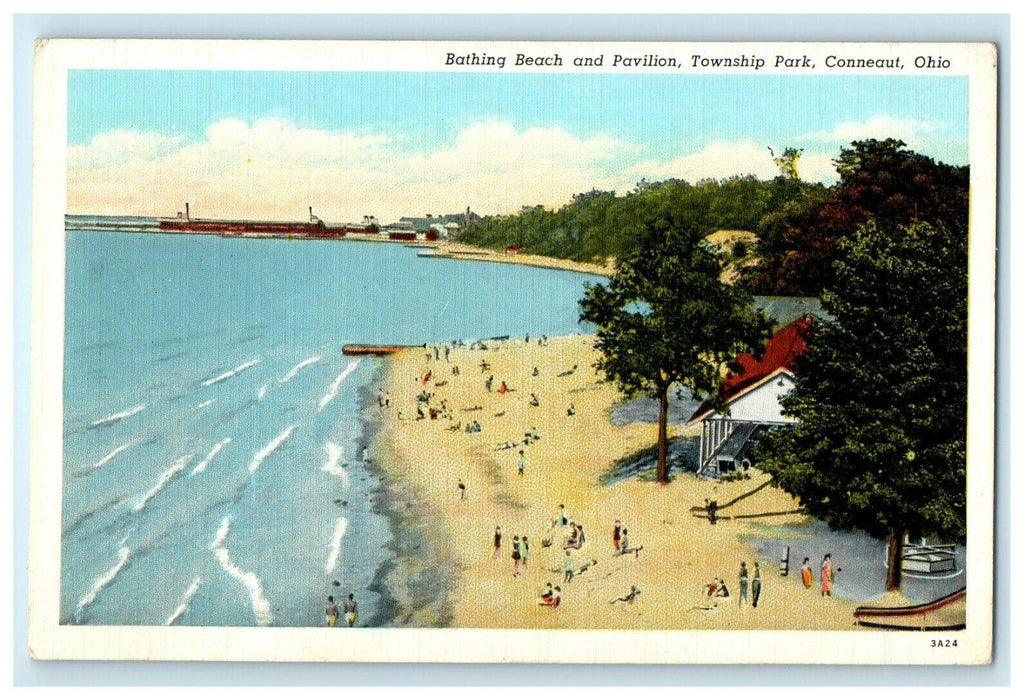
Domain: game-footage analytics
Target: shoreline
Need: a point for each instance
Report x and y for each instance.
(453, 250)
(446, 250)
(438, 531)
(414, 580)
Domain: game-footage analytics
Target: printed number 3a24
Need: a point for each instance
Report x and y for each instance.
(942, 643)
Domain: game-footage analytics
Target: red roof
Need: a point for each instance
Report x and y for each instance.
(782, 351)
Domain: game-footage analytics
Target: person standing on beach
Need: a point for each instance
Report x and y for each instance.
(615, 536)
(807, 573)
(524, 550)
(567, 566)
(757, 586)
(522, 462)
(351, 609)
(490, 383)
(332, 613)
(497, 543)
(461, 490)
(742, 595)
(516, 556)
(826, 576)
(447, 353)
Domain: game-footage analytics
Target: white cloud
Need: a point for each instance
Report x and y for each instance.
(118, 147)
(273, 169)
(719, 159)
(876, 127)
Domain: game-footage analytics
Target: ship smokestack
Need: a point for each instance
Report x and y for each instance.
(187, 211)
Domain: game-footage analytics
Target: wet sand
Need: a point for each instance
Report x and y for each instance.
(445, 568)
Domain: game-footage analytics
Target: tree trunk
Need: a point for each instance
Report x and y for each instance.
(662, 470)
(894, 582)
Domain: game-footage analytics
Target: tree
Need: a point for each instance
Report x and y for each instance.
(665, 317)
(787, 163)
(880, 179)
(881, 391)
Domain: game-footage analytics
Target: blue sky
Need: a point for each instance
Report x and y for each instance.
(450, 130)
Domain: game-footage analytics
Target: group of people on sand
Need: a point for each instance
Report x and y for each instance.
(350, 611)
(757, 585)
(826, 575)
(750, 588)
(520, 550)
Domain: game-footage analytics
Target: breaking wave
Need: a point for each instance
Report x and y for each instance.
(185, 602)
(334, 546)
(115, 417)
(301, 365)
(259, 604)
(103, 581)
(205, 403)
(210, 456)
(270, 448)
(165, 478)
(335, 386)
(231, 373)
(332, 463)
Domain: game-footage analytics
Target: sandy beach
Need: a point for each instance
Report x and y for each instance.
(462, 251)
(444, 540)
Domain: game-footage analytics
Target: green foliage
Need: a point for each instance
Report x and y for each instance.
(880, 179)
(665, 315)
(881, 394)
(596, 226)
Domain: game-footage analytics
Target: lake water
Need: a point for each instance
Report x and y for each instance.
(212, 443)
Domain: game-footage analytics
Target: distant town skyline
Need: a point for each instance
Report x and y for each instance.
(270, 144)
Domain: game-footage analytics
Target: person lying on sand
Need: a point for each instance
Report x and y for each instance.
(507, 446)
(568, 372)
(628, 598)
(473, 408)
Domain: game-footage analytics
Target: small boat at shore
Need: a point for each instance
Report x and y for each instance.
(358, 349)
(944, 614)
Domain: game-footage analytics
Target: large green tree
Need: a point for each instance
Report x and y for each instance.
(881, 392)
(665, 317)
(879, 178)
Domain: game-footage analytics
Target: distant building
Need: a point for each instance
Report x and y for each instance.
(443, 224)
(751, 398)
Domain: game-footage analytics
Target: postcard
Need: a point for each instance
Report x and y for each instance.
(546, 352)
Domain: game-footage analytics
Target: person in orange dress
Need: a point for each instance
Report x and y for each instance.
(807, 573)
(826, 576)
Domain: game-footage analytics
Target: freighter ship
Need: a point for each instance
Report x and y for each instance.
(313, 228)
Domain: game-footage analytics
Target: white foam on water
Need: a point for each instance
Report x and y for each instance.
(115, 417)
(231, 373)
(165, 478)
(335, 386)
(104, 579)
(107, 458)
(210, 456)
(270, 448)
(184, 603)
(301, 365)
(332, 463)
(334, 545)
(206, 403)
(220, 536)
(259, 604)
(262, 391)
